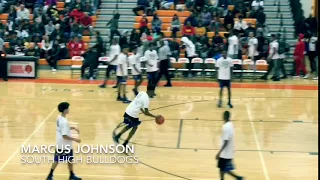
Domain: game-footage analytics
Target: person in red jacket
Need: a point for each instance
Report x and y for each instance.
(77, 14)
(76, 47)
(143, 24)
(188, 30)
(86, 23)
(299, 57)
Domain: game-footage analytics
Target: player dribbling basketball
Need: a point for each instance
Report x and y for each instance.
(131, 116)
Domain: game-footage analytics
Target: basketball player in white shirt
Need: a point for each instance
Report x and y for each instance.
(64, 142)
(151, 56)
(136, 70)
(225, 155)
(224, 67)
(253, 53)
(131, 116)
(112, 64)
(233, 47)
(190, 53)
(122, 74)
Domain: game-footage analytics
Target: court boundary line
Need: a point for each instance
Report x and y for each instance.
(26, 140)
(264, 167)
(179, 84)
(100, 175)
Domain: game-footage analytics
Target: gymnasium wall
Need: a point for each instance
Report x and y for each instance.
(308, 6)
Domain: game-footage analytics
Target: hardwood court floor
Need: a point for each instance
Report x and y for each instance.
(276, 131)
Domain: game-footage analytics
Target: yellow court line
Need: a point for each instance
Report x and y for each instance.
(27, 139)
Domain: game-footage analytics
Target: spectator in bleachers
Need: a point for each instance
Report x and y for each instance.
(253, 52)
(76, 5)
(156, 23)
(86, 23)
(229, 21)
(12, 12)
(46, 46)
(250, 29)
(311, 23)
(217, 42)
(134, 39)
(143, 24)
(11, 26)
(51, 3)
(39, 16)
(53, 13)
(75, 29)
(233, 45)
(166, 4)
(49, 28)
(200, 31)
(32, 50)
(39, 4)
(188, 30)
(215, 24)
(124, 39)
(240, 26)
(175, 25)
(57, 33)
(199, 5)
(76, 47)
(19, 48)
(142, 5)
(256, 4)
(22, 14)
(2, 30)
(114, 24)
(66, 27)
(192, 19)
(88, 9)
(76, 14)
(53, 56)
(206, 17)
(63, 50)
(261, 17)
(175, 48)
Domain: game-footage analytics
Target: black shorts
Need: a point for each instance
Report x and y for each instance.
(63, 155)
(224, 83)
(225, 165)
(121, 79)
(131, 121)
(137, 77)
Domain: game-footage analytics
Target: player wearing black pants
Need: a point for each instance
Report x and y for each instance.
(151, 56)
(3, 64)
(164, 56)
(91, 61)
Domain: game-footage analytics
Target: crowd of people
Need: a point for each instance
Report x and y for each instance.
(38, 28)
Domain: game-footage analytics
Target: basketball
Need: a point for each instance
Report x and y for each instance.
(160, 120)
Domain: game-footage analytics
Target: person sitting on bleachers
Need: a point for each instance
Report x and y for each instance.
(86, 23)
(19, 48)
(198, 5)
(76, 5)
(261, 16)
(206, 17)
(217, 42)
(57, 33)
(46, 46)
(49, 28)
(200, 31)
(75, 29)
(175, 25)
(240, 26)
(142, 5)
(192, 19)
(32, 50)
(39, 16)
(88, 9)
(166, 4)
(134, 39)
(53, 57)
(76, 47)
(156, 23)
(143, 24)
(53, 13)
(22, 14)
(66, 27)
(188, 30)
(229, 21)
(12, 13)
(76, 14)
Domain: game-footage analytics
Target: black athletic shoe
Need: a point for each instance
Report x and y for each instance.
(102, 86)
(284, 77)
(230, 105)
(240, 178)
(74, 177)
(116, 138)
(119, 99)
(264, 78)
(168, 85)
(125, 143)
(49, 178)
(115, 86)
(276, 79)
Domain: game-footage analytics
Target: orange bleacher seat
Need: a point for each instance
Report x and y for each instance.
(60, 4)
(170, 13)
(164, 19)
(86, 39)
(4, 16)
